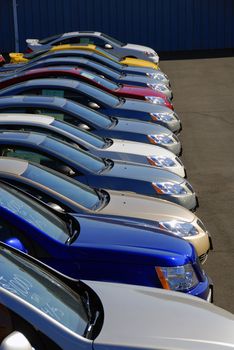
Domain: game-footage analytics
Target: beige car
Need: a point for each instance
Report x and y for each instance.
(64, 192)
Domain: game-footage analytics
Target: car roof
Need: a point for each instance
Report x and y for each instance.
(25, 136)
(23, 117)
(80, 32)
(21, 99)
(13, 165)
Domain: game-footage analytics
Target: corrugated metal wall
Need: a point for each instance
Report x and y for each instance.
(166, 25)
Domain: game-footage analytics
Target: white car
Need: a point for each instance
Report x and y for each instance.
(115, 149)
(102, 40)
(43, 309)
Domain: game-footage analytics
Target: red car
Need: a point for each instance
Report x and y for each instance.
(2, 60)
(119, 90)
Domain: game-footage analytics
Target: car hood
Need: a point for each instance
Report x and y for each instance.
(139, 148)
(150, 318)
(143, 106)
(139, 48)
(139, 127)
(140, 91)
(144, 207)
(121, 236)
(142, 172)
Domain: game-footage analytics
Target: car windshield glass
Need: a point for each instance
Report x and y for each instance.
(75, 191)
(41, 289)
(107, 54)
(88, 115)
(33, 213)
(48, 39)
(103, 69)
(92, 139)
(81, 158)
(99, 95)
(100, 80)
(117, 42)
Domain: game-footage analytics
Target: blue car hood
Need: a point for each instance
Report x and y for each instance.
(98, 232)
(143, 106)
(142, 172)
(140, 127)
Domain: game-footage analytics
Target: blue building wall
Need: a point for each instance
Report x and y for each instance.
(165, 25)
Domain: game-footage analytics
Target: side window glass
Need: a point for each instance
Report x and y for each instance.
(53, 113)
(77, 97)
(92, 40)
(27, 155)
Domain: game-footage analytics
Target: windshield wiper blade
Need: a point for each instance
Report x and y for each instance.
(92, 318)
(73, 233)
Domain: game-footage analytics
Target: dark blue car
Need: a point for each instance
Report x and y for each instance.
(92, 66)
(98, 172)
(98, 99)
(94, 249)
(99, 124)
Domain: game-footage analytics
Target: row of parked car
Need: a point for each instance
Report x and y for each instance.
(100, 245)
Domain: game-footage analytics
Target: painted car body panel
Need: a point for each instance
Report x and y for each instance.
(97, 123)
(107, 104)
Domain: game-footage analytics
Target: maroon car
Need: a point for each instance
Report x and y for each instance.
(142, 93)
(2, 60)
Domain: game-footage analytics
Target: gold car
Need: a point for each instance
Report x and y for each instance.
(134, 62)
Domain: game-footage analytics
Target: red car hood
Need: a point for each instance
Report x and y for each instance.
(131, 92)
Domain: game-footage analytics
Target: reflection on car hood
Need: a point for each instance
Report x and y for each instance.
(105, 235)
(137, 206)
(144, 106)
(139, 148)
(139, 48)
(142, 172)
(150, 318)
(139, 127)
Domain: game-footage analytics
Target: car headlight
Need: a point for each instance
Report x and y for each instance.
(162, 139)
(155, 86)
(169, 188)
(157, 76)
(178, 278)
(163, 117)
(161, 161)
(155, 100)
(179, 228)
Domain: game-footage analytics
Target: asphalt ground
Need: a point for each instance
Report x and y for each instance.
(204, 100)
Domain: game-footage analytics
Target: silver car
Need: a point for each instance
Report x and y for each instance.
(115, 149)
(102, 40)
(56, 312)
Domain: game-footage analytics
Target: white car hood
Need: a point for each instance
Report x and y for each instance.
(144, 207)
(150, 318)
(131, 147)
(140, 48)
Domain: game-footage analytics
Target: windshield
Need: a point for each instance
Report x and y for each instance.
(88, 115)
(100, 80)
(102, 69)
(99, 95)
(117, 42)
(33, 213)
(42, 290)
(81, 158)
(75, 191)
(88, 137)
(107, 54)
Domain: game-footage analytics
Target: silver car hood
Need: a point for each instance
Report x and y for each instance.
(149, 318)
(144, 207)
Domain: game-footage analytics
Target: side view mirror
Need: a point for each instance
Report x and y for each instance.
(17, 244)
(93, 105)
(108, 46)
(15, 341)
